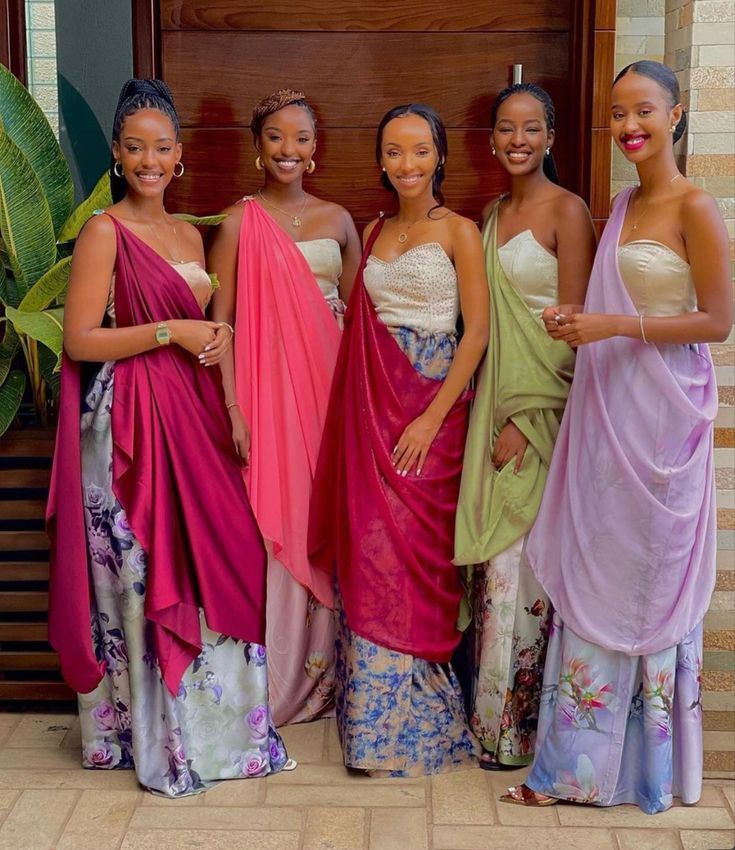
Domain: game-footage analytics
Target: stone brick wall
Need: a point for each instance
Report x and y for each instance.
(41, 48)
(697, 39)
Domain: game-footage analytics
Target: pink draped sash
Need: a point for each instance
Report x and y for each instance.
(624, 542)
(390, 537)
(286, 344)
(175, 474)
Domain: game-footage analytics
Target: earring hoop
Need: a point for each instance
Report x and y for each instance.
(181, 173)
(117, 173)
(311, 167)
(258, 163)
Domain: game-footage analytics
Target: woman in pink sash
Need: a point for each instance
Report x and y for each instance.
(624, 543)
(388, 476)
(282, 258)
(148, 515)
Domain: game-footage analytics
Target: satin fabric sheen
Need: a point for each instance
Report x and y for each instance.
(286, 344)
(174, 473)
(624, 541)
(390, 537)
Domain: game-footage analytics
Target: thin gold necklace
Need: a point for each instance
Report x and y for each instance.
(645, 208)
(295, 219)
(403, 234)
(160, 241)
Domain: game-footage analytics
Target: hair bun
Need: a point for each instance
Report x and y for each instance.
(681, 127)
(135, 87)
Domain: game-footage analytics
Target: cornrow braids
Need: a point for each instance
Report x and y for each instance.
(544, 98)
(274, 103)
(134, 96)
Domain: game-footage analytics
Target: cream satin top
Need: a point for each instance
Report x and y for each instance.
(532, 270)
(192, 272)
(658, 281)
(324, 257)
(416, 290)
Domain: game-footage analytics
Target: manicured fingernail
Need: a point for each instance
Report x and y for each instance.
(418, 471)
(404, 473)
(208, 348)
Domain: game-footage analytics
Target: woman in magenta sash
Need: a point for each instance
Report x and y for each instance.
(624, 543)
(388, 475)
(148, 515)
(282, 258)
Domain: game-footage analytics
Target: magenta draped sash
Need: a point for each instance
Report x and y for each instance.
(286, 344)
(391, 537)
(624, 542)
(175, 474)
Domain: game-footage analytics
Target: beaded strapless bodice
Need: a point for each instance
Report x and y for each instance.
(532, 271)
(192, 272)
(658, 280)
(325, 261)
(416, 290)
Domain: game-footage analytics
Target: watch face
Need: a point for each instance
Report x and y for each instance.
(163, 335)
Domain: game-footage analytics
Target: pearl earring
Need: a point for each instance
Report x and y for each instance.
(492, 149)
(548, 151)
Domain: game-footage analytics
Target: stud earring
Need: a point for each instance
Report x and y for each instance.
(311, 167)
(672, 128)
(492, 148)
(548, 151)
(117, 173)
(181, 173)
(258, 163)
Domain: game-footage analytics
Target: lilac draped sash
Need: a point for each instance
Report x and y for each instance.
(175, 474)
(624, 543)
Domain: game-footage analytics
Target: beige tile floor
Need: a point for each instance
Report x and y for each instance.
(47, 802)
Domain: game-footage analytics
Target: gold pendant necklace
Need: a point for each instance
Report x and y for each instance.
(295, 219)
(403, 234)
(160, 241)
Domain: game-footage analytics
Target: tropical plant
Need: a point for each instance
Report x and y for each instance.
(38, 225)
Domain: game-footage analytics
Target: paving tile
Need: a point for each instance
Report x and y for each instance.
(707, 839)
(40, 730)
(8, 722)
(345, 795)
(234, 792)
(80, 778)
(647, 839)
(7, 799)
(335, 774)
(521, 838)
(305, 741)
(510, 815)
(462, 798)
(335, 829)
(217, 818)
(73, 738)
(99, 820)
(407, 832)
(678, 817)
(36, 820)
(43, 759)
(332, 748)
(207, 839)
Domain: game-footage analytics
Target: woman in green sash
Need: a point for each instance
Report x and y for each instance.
(539, 244)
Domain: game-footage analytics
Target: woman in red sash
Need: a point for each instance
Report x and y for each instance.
(389, 469)
(283, 256)
(149, 520)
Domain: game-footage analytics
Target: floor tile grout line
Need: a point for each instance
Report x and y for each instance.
(367, 829)
(129, 820)
(429, 807)
(61, 831)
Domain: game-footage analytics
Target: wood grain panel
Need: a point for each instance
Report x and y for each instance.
(346, 171)
(602, 86)
(353, 79)
(599, 202)
(366, 15)
(605, 14)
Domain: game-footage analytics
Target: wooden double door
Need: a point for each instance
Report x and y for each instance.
(357, 58)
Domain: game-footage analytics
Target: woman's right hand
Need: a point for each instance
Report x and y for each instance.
(193, 335)
(551, 315)
(240, 434)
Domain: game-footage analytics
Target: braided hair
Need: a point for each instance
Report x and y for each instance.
(275, 102)
(134, 96)
(544, 98)
(666, 78)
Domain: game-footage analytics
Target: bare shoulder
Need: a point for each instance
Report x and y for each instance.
(696, 203)
(331, 214)
(568, 206)
(190, 232)
(461, 226)
(99, 229)
(368, 230)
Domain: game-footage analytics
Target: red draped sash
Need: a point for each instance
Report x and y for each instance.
(175, 474)
(390, 537)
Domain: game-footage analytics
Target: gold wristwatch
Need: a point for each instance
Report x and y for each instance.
(163, 333)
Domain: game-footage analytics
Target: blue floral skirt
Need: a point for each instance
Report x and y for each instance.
(218, 726)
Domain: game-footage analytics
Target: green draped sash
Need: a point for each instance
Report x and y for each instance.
(525, 378)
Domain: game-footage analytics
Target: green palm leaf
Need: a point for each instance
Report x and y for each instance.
(8, 347)
(25, 219)
(11, 393)
(48, 288)
(200, 220)
(45, 326)
(23, 120)
(99, 199)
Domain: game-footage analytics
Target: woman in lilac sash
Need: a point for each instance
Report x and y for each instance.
(386, 488)
(148, 516)
(624, 543)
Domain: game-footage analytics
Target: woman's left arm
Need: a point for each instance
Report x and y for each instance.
(469, 261)
(706, 240)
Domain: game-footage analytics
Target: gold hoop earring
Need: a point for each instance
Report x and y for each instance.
(181, 173)
(258, 163)
(311, 167)
(117, 173)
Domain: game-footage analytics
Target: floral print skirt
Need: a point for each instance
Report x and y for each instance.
(218, 726)
(620, 729)
(511, 626)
